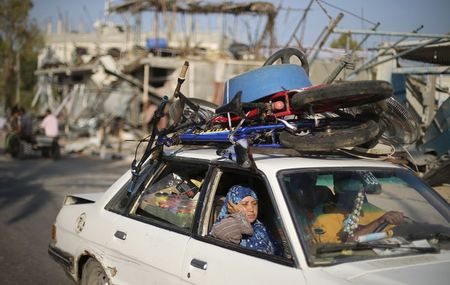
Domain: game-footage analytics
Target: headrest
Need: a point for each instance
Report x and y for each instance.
(348, 185)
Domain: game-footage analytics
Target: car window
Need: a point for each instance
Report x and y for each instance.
(172, 197)
(335, 208)
(122, 199)
(267, 214)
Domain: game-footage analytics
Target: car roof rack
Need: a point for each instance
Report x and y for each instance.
(354, 152)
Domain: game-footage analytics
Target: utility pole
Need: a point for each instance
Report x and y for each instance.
(137, 29)
(18, 79)
(145, 84)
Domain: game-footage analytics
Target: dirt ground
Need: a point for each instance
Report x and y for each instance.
(444, 191)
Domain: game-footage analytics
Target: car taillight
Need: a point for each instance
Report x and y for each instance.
(53, 232)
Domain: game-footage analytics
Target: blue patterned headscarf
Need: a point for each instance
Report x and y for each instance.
(260, 239)
(235, 195)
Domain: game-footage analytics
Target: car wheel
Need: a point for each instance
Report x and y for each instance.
(93, 273)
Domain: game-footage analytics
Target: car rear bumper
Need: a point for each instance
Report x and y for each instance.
(65, 259)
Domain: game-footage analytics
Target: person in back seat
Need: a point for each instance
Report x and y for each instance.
(350, 215)
(237, 221)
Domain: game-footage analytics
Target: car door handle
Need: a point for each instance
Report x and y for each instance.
(199, 264)
(121, 235)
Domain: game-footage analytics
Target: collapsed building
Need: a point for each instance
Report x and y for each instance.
(118, 71)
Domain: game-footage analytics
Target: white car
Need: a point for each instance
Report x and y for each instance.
(156, 229)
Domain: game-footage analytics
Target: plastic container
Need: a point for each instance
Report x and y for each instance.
(156, 43)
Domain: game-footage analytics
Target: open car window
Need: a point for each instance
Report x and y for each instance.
(122, 199)
(171, 198)
(267, 213)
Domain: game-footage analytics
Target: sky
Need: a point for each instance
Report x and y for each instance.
(393, 15)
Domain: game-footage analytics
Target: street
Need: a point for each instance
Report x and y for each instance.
(31, 193)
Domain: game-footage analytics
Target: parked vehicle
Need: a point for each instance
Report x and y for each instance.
(40, 144)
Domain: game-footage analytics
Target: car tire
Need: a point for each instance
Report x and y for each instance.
(341, 95)
(339, 134)
(93, 273)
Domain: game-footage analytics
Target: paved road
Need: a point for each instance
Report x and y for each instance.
(31, 193)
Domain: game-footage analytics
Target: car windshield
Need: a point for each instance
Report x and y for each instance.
(346, 215)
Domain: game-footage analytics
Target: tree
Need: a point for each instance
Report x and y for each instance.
(345, 42)
(20, 41)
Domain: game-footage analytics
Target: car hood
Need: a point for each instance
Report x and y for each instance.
(422, 269)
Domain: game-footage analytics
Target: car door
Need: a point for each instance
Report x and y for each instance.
(208, 260)
(207, 263)
(149, 241)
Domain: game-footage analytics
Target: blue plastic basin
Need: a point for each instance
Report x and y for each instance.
(265, 81)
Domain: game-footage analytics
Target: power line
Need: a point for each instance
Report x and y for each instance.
(324, 10)
(348, 12)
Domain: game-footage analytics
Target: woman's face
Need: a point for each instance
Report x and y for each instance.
(250, 208)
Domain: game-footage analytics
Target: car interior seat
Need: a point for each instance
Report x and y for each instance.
(217, 205)
(347, 189)
(322, 194)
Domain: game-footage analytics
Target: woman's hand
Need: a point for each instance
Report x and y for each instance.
(234, 208)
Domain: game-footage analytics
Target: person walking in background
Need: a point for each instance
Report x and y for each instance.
(50, 124)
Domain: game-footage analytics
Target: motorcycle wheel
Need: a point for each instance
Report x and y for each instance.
(341, 95)
(332, 134)
(14, 146)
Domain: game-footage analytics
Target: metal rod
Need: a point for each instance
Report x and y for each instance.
(299, 23)
(402, 53)
(181, 78)
(313, 47)
(422, 70)
(355, 72)
(365, 37)
(397, 34)
(145, 84)
(328, 32)
(347, 61)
